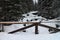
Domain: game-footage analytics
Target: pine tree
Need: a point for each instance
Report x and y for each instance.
(12, 10)
(49, 8)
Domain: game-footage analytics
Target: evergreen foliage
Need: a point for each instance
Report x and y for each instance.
(12, 10)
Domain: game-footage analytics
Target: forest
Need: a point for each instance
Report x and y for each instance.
(12, 10)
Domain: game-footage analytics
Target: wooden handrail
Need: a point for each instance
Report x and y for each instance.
(17, 22)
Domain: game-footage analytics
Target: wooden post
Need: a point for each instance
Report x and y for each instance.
(2, 28)
(36, 28)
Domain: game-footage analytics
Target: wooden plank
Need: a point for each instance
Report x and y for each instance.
(48, 27)
(17, 22)
(21, 29)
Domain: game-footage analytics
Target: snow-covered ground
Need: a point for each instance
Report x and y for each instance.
(29, 34)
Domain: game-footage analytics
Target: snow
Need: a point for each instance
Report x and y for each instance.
(35, 1)
(23, 36)
(30, 33)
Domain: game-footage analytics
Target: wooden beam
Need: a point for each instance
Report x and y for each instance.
(21, 29)
(17, 22)
(48, 27)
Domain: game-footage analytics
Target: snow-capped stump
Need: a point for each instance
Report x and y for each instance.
(31, 20)
(38, 15)
(24, 24)
(27, 14)
(35, 19)
(57, 26)
(22, 18)
(27, 20)
(34, 13)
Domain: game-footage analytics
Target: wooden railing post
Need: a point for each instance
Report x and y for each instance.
(1, 28)
(36, 28)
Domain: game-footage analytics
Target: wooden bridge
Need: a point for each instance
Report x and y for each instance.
(36, 24)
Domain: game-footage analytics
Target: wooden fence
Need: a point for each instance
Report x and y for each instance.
(36, 24)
